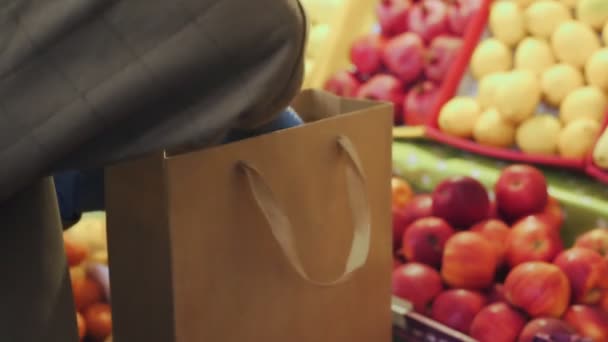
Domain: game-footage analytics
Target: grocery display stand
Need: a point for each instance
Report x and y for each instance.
(424, 164)
(461, 83)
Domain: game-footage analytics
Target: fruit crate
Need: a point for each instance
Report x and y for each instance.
(594, 170)
(405, 64)
(408, 326)
(461, 82)
(424, 165)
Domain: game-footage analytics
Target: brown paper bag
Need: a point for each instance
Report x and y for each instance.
(283, 237)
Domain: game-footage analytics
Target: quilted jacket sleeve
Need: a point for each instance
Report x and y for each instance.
(84, 83)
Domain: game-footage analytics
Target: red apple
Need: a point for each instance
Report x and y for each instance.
(399, 226)
(399, 256)
(596, 239)
(343, 83)
(588, 322)
(493, 211)
(544, 327)
(497, 322)
(457, 308)
(604, 301)
(497, 294)
(404, 56)
(384, 88)
(553, 213)
(366, 53)
(469, 261)
(521, 190)
(460, 14)
(531, 239)
(417, 283)
(546, 219)
(420, 206)
(587, 272)
(462, 201)
(393, 16)
(441, 54)
(420, 103)
(396, 263)
(429, 19)
(539, 288)
(423, 240)
(497, 232)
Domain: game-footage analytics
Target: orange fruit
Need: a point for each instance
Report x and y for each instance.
(77, 272)
(402, 192)
(75, 252)
(86, 292)
(82, 329)
(98, 318)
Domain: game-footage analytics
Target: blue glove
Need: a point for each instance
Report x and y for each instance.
(288, 118)
(81, 191)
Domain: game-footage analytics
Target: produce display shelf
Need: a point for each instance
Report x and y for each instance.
(460, 82)
(425, 164)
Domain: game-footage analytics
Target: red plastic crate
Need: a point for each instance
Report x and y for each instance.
(449, 89)
(592, 169)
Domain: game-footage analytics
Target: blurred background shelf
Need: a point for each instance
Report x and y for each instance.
(334, 25)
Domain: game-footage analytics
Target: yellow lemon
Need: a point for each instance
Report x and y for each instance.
(543, 17)
(487, 89)
(507, 22)
(518, 96)
(574, 42)
(492, 130)
(577, 138)
(596, 70)
(458, 116)
(593, 13)
(489, 57)
(539, 135)
(587, 102)
(559, 81)
(535, 55)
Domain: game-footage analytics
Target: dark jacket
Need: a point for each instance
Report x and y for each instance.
(90, 82)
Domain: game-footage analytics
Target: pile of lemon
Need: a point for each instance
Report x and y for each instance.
(542, 79)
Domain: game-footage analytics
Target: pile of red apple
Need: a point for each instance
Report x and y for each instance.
(496, 269)
(406, 63)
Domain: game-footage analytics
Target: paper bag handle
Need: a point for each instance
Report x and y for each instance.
(281, 226)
